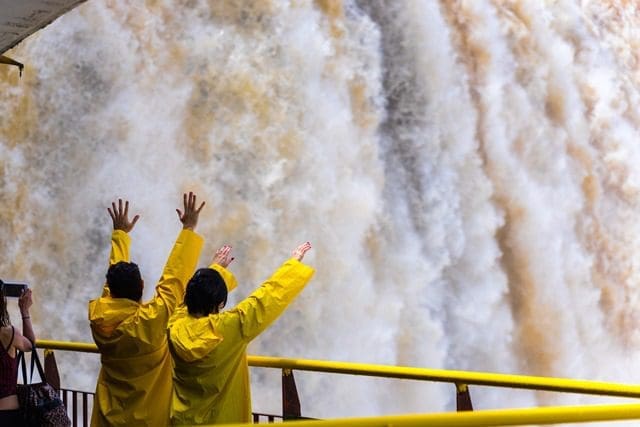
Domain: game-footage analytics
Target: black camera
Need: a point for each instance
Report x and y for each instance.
(13, 289)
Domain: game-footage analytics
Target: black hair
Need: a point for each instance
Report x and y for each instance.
(124, 281)
(205, 292)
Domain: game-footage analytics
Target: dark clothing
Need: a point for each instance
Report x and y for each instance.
(11, 417)
(8, 371)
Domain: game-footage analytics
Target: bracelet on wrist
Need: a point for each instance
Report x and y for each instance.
(26, 317)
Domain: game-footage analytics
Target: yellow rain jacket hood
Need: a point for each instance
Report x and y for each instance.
(211, 375)
(134, 387)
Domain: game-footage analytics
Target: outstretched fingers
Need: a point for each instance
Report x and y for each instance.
(189, 217)
(222, 256)
(304, 247)
(118, 211)
(299, 252)
(113, 213)
(191, 207)
(190, 203)
(224, 251)
(120, 216)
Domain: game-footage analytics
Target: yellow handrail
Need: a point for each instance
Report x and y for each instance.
(494, 417)
(83, 347)
(424, 374)
(456, 377)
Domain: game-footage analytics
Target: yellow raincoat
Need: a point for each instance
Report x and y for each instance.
(211, 375)
(134, 386)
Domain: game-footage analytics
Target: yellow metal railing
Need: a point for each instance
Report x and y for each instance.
(437, 375)
(82, 347)
(495, 417)
(456, 377)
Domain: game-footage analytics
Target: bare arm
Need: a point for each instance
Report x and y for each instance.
(23, 341)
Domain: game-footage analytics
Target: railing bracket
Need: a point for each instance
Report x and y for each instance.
(9, 61)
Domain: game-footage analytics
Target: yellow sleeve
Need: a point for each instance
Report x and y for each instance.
(120, 242)
(227, 276)
(269, 301)
(177, 272)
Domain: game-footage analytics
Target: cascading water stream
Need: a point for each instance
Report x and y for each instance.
(466, 170)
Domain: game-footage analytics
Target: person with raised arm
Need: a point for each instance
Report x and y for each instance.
(134, 384)
(208, 345)
(12, 340)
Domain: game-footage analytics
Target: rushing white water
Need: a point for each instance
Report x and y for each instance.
(467, 172)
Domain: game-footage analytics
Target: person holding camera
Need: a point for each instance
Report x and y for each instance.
(11, 341)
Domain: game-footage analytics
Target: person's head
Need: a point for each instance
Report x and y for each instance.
(206, 292)
(4, 314)
(124, 281)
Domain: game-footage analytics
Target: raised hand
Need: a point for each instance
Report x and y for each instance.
(120, 216)
(189, 218)
(223, 256)
(25, 301)
(298, 253)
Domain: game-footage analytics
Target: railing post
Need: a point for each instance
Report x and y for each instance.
(290, 400)
(463, 398)
(51, 369)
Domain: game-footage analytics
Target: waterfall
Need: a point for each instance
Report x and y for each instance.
(467, 172)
